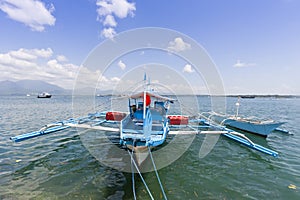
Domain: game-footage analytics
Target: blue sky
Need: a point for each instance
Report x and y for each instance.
(255, 44)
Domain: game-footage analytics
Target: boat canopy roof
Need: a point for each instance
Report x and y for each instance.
(157, 96)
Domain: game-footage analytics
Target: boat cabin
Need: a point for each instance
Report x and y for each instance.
(147, 120)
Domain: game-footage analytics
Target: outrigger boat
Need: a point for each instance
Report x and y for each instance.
(146, 125)
(251, 125)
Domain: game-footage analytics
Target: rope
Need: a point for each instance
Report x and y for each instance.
(154, 166)
(132, 177)
(144, 182)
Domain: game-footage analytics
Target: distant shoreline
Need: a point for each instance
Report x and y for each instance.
(275, 96)
(264, 96)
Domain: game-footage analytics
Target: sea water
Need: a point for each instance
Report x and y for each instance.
(59, 166)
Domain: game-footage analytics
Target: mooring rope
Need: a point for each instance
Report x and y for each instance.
(157, 175)
(132, 176)
(143, 180)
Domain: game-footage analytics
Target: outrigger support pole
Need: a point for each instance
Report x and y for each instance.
(42, 131)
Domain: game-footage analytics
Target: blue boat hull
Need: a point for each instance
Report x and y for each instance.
(263, 129)
(251, 126)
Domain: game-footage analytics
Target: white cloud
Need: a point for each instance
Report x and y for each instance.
(178, 45)
(61, 58)
(31, 54)
(54, 64)
(38, 64)
(243, 64)
(44, 53)
(188, 68)
(12, 59)
(110, 21)
(108, 83)
(43, 64)
(119, 8)
(108, 33)
(109, 10)
(23, 55)
(115, 79)
(32, 13)
(121, 65)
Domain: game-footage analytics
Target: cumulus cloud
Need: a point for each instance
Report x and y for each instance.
(31, 54)
(121, 65)
(108, 83)
(24, 57)
(43, 64)
(109, 10)
(115, 79)
(87, 78)
(12, 59)
(243, 64)
(61, 58)
(32, 13)
(44, 53)
(108, 33)
(37, 64)
(119, 8)
(178, 45)
(110, 21)
(22, 54)
(188, 68)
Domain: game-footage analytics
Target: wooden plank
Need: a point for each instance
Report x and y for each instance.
(87, 126)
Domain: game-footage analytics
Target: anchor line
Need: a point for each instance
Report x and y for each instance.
(140, 174)
(132, 176)
(157, 175)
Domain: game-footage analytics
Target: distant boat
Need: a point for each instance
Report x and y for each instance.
(28, 95)
(247, 96)
(44, 95)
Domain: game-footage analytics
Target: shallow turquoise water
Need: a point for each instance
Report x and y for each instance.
(58, 166)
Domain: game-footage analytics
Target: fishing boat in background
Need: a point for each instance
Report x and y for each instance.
(44, 95)
(251, 125)
(247, 96)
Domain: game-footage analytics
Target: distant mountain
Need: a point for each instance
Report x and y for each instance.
(35, 87)
(29, 87)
